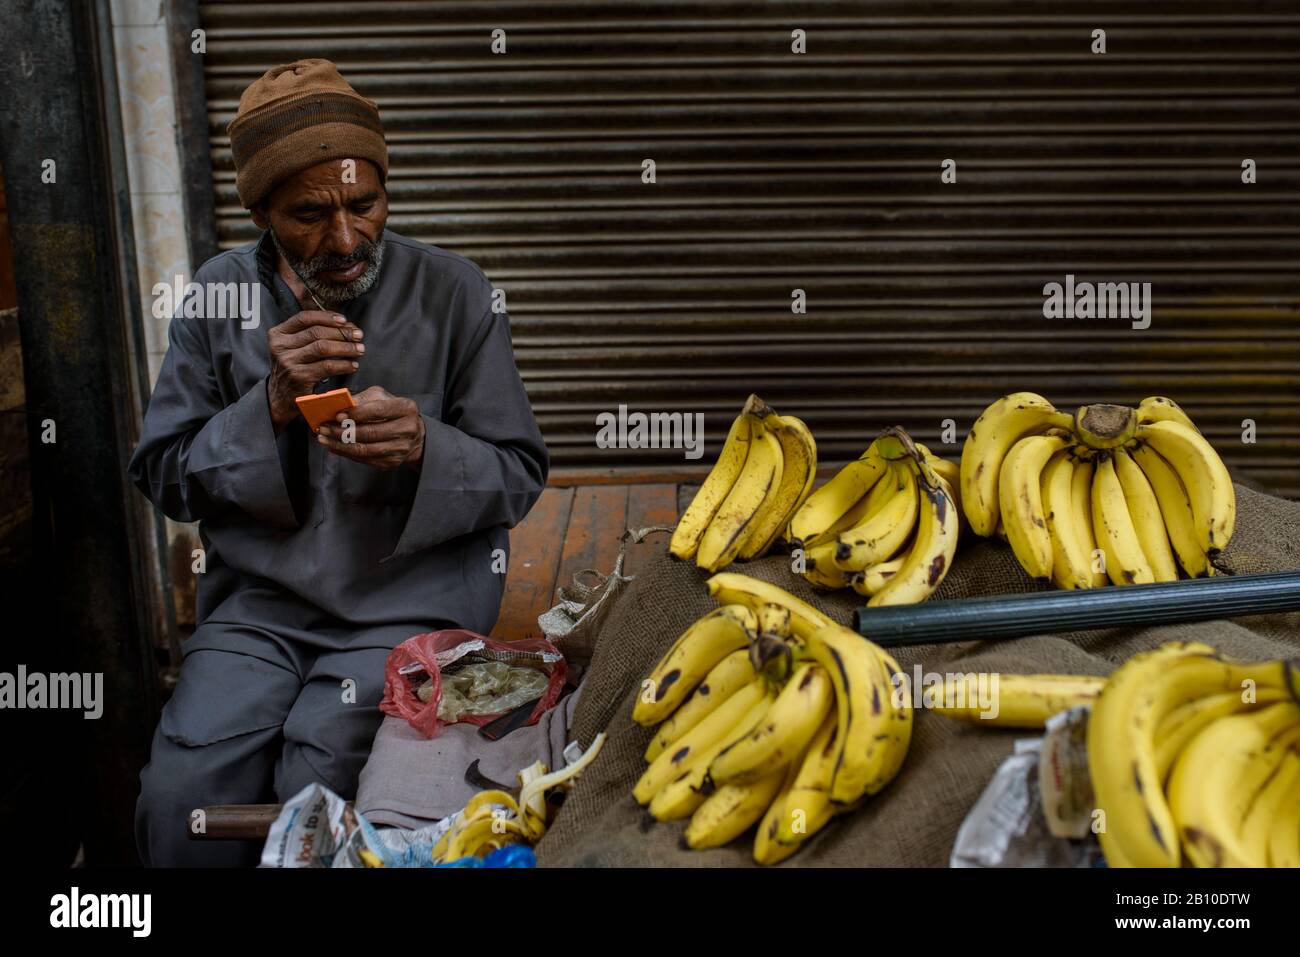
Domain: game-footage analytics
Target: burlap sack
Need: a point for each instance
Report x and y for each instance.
(914, 821)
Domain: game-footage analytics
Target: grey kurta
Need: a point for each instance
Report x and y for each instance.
(310, 556)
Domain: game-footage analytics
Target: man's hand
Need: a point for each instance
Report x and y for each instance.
(307, 348)
(389, 431)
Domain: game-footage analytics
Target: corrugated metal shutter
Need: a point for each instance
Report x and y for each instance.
(821, 171)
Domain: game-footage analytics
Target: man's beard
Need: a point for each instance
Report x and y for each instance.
(308, 270)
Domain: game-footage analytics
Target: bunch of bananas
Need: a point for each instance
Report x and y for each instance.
(763, 474)
(1195, 759)
(771, 714)
(493, 819)
(885, 525)
(1110, 493)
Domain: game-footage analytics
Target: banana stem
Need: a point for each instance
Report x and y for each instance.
(1104, 426)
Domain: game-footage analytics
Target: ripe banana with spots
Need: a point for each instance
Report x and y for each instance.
(1147, 520)
(728, 676)
(1147, 497)
(1202, 472)
(789, 747)
(1140, 824)
(1126, 562)
(762, 476)
(845, 489)
(1009, 701)
(691, 657)
(995, 432)
(799, 468)
(1020, 502)
(787, 727)
(931, 554)
(1221, 774)
(754, 494)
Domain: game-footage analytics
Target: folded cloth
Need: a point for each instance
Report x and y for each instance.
(410, 780)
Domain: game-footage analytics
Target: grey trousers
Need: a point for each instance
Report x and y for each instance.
(255, 717)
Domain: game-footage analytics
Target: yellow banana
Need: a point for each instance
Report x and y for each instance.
(731, 810)
(799, 468)
(750, 498)
(1284, 835)
(1220, 774)
(820, 568)
(889, 749)
(681, 796)
(808, 806)
(1126, 562)
(716, 729)
(931, 555)
(787, 727)
(701, 646)
(722, 477)
(1010, 701)
(1001, 426)
(870, 581)
(1020, 501)
(1071, 554)
(1208, 484)
(1175, 510)
(1269, 808)
(1081, 518)
(731, 587)
(1137, 827)
(862, 705)
(766, 849)
(886, 531)
(1194, 716)
(840, 493)
(1147, 521)
(1158, 408)
(728, 676)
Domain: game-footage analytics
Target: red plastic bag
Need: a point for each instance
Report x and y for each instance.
(424, 657)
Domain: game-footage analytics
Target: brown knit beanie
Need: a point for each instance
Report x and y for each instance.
(295, 116)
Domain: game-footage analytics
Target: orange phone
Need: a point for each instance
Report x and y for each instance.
(319, 409)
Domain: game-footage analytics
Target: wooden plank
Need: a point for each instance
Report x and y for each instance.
(535, 548)
(598, 519)
(649, 505)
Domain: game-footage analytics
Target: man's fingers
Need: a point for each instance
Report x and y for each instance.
(318, 350)
(364, 451)
(381, 410)
(296, 340)
(311, 317)
(314, 372)
(391, 431)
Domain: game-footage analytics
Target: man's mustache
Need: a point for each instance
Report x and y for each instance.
(332, 262)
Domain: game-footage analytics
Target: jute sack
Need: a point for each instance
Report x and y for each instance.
(914, 821)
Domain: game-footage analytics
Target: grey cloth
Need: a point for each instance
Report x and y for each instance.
(410, 780)
(256, 716)
(313, 555)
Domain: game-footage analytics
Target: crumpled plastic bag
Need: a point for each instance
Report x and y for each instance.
(424, 660)
(484, 687)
